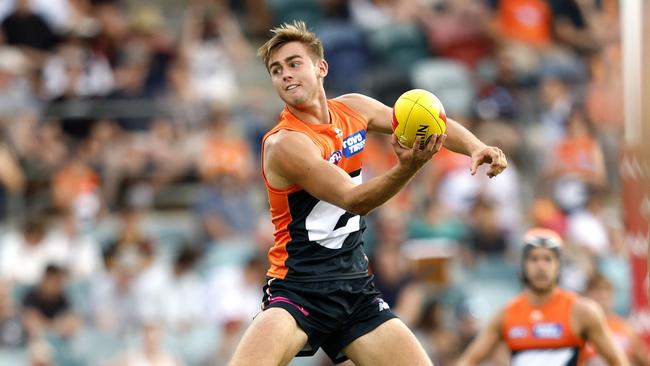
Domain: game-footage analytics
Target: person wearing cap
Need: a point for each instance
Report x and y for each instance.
(545, 325)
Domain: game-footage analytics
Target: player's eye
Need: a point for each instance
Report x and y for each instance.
(275, 71)
(294, 64)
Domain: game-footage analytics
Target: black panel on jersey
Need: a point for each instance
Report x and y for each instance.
(343, 220)
(300, 205)
(310, 261)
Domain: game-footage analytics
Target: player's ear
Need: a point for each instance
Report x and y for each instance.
(322, 67)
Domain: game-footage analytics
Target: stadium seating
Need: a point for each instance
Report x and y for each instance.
(449, 80)
(346, 54)
(398, 45)
(286, 11)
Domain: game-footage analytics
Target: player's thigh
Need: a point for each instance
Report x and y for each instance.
(273, 338)
(391, 343)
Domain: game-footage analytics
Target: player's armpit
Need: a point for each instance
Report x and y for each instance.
(291, 157)
(592, 324)
(484, 344)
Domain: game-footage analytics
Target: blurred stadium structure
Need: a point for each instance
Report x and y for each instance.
(134, 220)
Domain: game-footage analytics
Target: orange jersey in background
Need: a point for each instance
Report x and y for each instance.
(528, 21)
(542, 336)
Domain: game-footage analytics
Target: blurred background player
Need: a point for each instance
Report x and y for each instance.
(545, 325)
(600, 289)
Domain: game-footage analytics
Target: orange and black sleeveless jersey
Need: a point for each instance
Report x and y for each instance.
(315, 240)
(542, 336)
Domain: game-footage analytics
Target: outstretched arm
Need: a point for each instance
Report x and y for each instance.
(484, 344)
(459, 139)
(292, 158)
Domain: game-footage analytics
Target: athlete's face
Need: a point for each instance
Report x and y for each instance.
(297, 78)
(541, 268)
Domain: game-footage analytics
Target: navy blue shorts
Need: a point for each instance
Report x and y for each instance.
(332, 313)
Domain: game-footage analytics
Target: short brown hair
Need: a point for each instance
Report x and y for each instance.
(596, 280)
(296, 32)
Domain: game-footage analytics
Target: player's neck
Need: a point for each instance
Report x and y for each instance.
(315, 112)
(538, 298)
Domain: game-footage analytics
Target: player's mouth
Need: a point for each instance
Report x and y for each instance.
(541, 277)
(291, 87)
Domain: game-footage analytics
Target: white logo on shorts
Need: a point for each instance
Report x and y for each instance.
(382, 305)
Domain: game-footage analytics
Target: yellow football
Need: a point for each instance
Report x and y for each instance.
(418, 113)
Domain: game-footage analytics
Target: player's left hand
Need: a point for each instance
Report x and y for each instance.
(489, 155)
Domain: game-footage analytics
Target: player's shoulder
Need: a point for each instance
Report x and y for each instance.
(515, 302)
(498, 320)
(587, 310)
(289, 146)
(367, 107)
(286, 139)
(356, 101)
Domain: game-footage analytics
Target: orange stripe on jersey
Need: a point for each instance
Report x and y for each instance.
(340, 142)
(526, 327)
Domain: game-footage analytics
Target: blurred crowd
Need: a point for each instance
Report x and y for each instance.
(134, 222)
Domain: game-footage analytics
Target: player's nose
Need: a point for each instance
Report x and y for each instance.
(286, 76)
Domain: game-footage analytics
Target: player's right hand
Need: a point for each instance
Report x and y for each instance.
(414, 158)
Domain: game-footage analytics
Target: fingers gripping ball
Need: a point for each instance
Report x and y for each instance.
(418, 113)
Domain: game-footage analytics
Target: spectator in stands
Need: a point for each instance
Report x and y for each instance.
(457, 30)
(214, 46)
(398, 286)
(225, 166)
(47, 308)
(234, 300)
(525, 21)
(576, 163)
(41, 148)
(435, 222)
(183, 303)
(182, 100)
(375, 14)
(150, 352)
(12, 179)
(40, 353)
(74, 248)
(558, 101)
(25, 28)
(130, 81)
(24, 255)
(13, 333)
(593, 229)
(440, 343)
(17, 96)
(581, 25)
(75, 189)
(75, 70)
(486, 235)
(114, 303)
